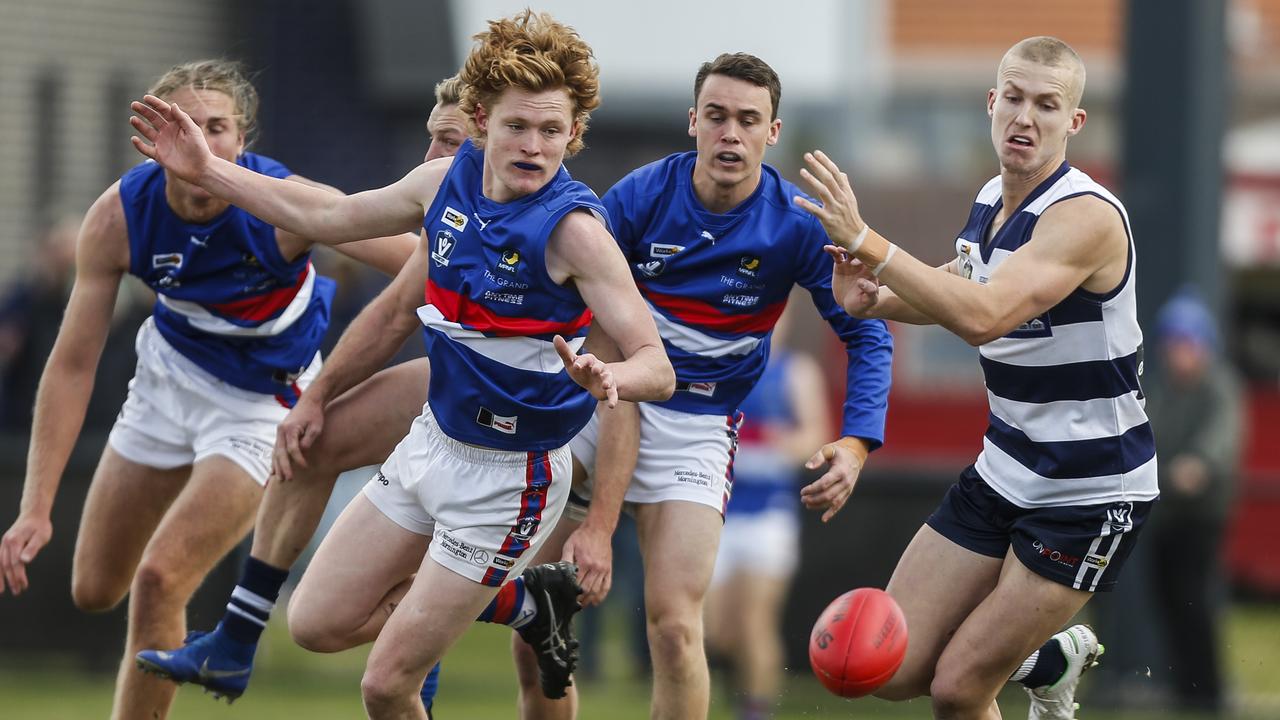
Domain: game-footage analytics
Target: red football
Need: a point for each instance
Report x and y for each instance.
(858, 642)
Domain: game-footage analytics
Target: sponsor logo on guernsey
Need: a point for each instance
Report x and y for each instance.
(651, 268)
(443, 247)
(509, 261)
(509, 298)
(454, 219)
(483, 223)
(166, 260)
(502, 423)
(707, 389)
(749, 265)
(1036, 327)
(706, 235)
(661, 250)
(250, 259)
(741, 300)
(200, 241)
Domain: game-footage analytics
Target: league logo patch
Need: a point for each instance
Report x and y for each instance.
(749, 265)
(510, 259)
(444, 245)
(454, 219)
(166, 260)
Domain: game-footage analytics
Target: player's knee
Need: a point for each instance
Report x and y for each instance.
(157, 583)
(377, 691)
(96, 594)
(903, 686)
(311, 634)
(954, 693)
(673, 636)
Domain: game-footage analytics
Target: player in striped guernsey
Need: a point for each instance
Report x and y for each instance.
(1043, 285)
(233, 339)
(518, 252)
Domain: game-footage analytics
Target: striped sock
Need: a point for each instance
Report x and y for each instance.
(252, 600)
(1043, 667)
(512, 606)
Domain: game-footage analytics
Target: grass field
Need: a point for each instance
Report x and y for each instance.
(478, 683)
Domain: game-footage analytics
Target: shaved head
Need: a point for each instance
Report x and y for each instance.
(1050, 52)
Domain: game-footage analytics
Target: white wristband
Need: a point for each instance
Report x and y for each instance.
(857, 242)
(887, 257)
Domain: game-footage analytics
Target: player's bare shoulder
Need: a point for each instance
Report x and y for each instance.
(103, 242)
(1090, 231)
(579, 242)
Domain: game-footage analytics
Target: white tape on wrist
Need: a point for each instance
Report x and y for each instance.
(887, 257)
(857, 241)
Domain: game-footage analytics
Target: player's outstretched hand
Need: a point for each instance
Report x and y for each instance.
(294, 436)
(831, 491)
(592, 549)
(852, 283)
(838, 212)
(588, 371)
(172, 138)
(19, 547)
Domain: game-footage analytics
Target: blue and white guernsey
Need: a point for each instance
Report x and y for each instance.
(225, 297)
(492, 311)
(1067, 425)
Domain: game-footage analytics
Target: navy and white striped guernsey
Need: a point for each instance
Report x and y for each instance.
(1067, 424)
(492, 310)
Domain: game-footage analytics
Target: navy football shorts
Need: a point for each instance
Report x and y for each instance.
(1081, 546)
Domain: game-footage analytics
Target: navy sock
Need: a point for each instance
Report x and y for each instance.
(252, 600)
(1044, 667)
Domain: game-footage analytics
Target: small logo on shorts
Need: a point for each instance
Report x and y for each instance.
(1055, 555)
(382, 478)
(501, 423)
(503, 562)
(1095, 560)
(706, 389)
(526, 527)
(480, 557)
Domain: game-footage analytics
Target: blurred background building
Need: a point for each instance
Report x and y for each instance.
(1183, 91)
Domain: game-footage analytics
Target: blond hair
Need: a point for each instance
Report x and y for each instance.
(221, 75)
(448, 91)
(1051, 52)
(534, 52)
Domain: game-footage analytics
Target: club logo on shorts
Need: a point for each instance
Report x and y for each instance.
(444, 244)
(454, 219)
(706, 389)
(526, 527)
(501, 423)
(749, 265)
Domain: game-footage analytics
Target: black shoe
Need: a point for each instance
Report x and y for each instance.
(555, 591)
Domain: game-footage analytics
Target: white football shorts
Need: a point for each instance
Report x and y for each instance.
(487, 511)
(178, 414)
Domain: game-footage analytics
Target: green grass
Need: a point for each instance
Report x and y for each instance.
(478, 683)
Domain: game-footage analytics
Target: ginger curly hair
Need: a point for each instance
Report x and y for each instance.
(534, 52)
